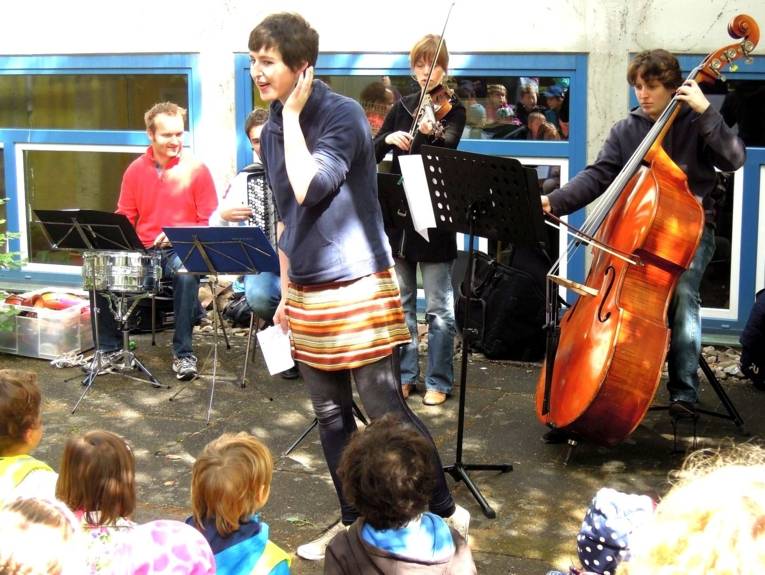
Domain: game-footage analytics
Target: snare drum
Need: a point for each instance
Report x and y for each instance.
(129, 272)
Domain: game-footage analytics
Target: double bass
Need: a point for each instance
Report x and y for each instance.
(604, 357)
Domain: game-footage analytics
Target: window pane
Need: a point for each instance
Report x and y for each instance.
(741, 103)
(3, 210)
(498, 107)
(56, 180)
(86, 102)
(715, 286)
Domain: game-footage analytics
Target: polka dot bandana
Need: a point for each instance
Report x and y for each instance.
(604, 538)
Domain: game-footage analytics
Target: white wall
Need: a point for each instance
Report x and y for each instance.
(606, 30)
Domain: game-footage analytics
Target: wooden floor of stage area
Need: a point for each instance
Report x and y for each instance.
(539, 505)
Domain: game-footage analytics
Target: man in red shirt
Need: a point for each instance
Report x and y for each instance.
(166, 186)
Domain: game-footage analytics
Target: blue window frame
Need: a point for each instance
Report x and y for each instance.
(573, 66)
(13, 140)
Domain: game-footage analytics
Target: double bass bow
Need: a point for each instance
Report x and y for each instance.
(604, 357)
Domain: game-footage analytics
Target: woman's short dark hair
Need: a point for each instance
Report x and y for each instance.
(387, 473)
(655, 65)
(291, 35)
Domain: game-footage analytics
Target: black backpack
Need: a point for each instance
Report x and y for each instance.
(507, 305)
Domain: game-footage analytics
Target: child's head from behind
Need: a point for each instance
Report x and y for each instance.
(98, 474)
(20, 424)
(38, 536)
(387, 473)
(712, 521)
(230, 481)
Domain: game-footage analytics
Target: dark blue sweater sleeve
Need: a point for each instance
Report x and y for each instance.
(593, 180)
(335, 150)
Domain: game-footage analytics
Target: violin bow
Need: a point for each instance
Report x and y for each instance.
(424, 91)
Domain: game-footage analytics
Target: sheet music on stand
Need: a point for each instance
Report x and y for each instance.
(235, 250)
(498, 197)
(96, 231)
(81, 230)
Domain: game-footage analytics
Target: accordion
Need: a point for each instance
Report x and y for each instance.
(260, 200)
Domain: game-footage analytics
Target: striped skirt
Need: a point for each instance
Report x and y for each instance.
(344, 325)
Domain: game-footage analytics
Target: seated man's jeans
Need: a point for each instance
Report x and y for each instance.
(684, 318)
(186, 308)
(263, 292)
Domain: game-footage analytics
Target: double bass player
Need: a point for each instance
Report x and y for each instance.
(698, 142)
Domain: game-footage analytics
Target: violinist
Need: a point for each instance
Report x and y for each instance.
(698, 142)
(440, 126)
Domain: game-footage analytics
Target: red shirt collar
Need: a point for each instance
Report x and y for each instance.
(170, 163)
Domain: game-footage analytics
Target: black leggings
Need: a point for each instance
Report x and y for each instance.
(379, 387)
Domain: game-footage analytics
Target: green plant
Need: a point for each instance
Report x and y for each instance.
(8, 260)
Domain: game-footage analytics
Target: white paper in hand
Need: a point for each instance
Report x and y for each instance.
(417, 194)
(276, 348)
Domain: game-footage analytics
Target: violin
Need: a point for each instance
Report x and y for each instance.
(436, 104)
(441, 99)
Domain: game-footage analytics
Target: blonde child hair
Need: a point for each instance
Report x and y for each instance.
(230, 481)
(712, 521)
(39, 537)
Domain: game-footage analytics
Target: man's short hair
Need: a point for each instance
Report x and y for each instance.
(387, 473)
(257, 117)
(227, 481)
(167, 108)
(19, 406)
(291, 35)
(425, 49)
(657, 65)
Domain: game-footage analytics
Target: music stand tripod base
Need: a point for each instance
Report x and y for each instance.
(491, 197)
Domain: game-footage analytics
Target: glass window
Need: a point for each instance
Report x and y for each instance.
(741, 103)
(3, 210)
(498, 107)
(716, 283)
(61, 179)
(85, 101)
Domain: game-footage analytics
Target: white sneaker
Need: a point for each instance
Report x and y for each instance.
(460, 522)
(314, 551)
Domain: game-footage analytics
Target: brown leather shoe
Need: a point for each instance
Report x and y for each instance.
(408, 389)
(433, 397)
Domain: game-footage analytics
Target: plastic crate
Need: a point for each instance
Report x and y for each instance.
(47, 333)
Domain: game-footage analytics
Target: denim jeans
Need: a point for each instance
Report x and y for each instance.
(439, 313)
(685, 322)
(186, 309)
(263, 292)
(379, 390)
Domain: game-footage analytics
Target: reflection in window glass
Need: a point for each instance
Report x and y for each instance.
(56, 180)
(3, 210)
(498, 107)
(715, 286)
(86, 101)
(741, 103)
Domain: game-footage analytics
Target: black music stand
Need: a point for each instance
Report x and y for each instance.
(93, 230)
(492, 197)
(236, 250)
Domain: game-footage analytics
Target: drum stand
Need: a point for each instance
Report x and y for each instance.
(121, 306)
